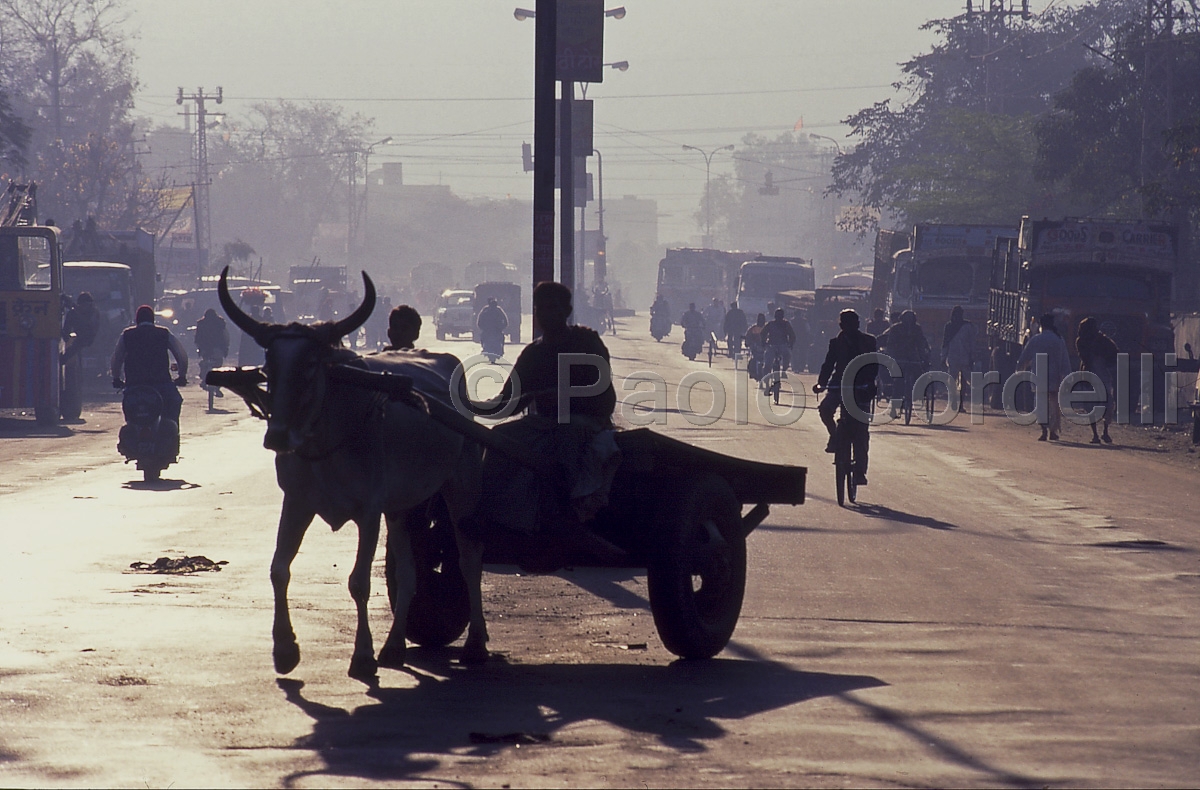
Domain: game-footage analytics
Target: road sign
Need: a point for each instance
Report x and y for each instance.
(580, 41)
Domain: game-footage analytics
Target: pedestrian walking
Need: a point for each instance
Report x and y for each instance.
(1046, 353)
(1098, 354)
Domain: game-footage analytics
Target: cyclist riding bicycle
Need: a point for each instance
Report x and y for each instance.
(848, 344)
(905, 342)
(778, 339)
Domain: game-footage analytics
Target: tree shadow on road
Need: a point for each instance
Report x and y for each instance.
(681, 704)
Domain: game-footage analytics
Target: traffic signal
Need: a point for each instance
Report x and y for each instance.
(601, 270)
(768, 187)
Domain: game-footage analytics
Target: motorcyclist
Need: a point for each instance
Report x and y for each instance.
(83, 321)
(212, 343)
(848, 344)
(693, 330)
(492, 322)
(602, 301)
(778, 339)
(905, 342)
(141, 354)
(734, 328)
(660, 315)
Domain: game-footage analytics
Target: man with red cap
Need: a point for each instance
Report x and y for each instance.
(142, 352)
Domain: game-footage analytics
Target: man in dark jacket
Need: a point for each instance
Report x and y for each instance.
(142, 354)
(848, 344)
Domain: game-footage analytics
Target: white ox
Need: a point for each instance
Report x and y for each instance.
(346, 453)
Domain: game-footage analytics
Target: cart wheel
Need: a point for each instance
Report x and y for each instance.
(698, 579)
(440, 610)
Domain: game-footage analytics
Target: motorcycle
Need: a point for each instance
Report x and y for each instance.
(493, 344)
(660, 325)
(693, 343)
(147, 437)
(207, 363)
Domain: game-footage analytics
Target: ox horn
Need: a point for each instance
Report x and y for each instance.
(242, 321)
(361, 314)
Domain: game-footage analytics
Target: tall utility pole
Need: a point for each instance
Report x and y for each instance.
(200, 188)
(543, 142)
(995, 19)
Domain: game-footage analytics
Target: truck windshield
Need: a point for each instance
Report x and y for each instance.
(765, 283)
(947, 277)
(1099, 286)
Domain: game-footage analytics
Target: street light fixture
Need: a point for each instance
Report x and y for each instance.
(830, 139)
(521, 14)
(707, 187)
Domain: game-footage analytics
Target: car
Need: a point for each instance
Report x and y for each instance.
(455, 314)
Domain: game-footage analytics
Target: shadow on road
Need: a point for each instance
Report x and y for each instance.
(164, 484)
(679, 704)
(900, 517)
(28, 428)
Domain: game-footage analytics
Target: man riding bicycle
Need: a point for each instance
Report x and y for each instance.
(905, 342)
(848, 344)
(778, 339)
(734, 327)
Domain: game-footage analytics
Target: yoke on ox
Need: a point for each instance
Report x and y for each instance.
(347, 453)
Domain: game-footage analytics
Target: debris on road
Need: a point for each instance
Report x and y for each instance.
(181, 565)
(510, 737)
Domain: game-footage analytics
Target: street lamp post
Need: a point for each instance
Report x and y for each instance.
(366, 216)
(707, 187)
(830, 139)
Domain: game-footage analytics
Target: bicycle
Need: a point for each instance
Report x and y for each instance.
(845, 458)
(772, 381)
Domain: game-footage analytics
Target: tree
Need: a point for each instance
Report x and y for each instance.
(14, 135)
(962, 144)
(71, 65)
(1093, 138)
(282, 172)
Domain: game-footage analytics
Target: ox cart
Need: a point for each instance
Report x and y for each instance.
(675, 510)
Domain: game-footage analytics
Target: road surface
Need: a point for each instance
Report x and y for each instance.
(995, 612)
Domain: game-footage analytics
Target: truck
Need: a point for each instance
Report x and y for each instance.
(943, 267)
(31, 312)
(762, 278)
(1119, 271)
(85, 242)
(887, 244)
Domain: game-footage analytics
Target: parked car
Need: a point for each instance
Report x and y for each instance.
(455, 314)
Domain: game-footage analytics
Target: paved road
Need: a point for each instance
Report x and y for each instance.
(995, 612)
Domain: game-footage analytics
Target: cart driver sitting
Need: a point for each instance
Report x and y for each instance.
(580, 442)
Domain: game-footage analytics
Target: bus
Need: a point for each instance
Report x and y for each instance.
(692, 275)
(759, 281)
(31, 318)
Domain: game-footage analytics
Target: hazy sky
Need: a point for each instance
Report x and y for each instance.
(451, 81)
